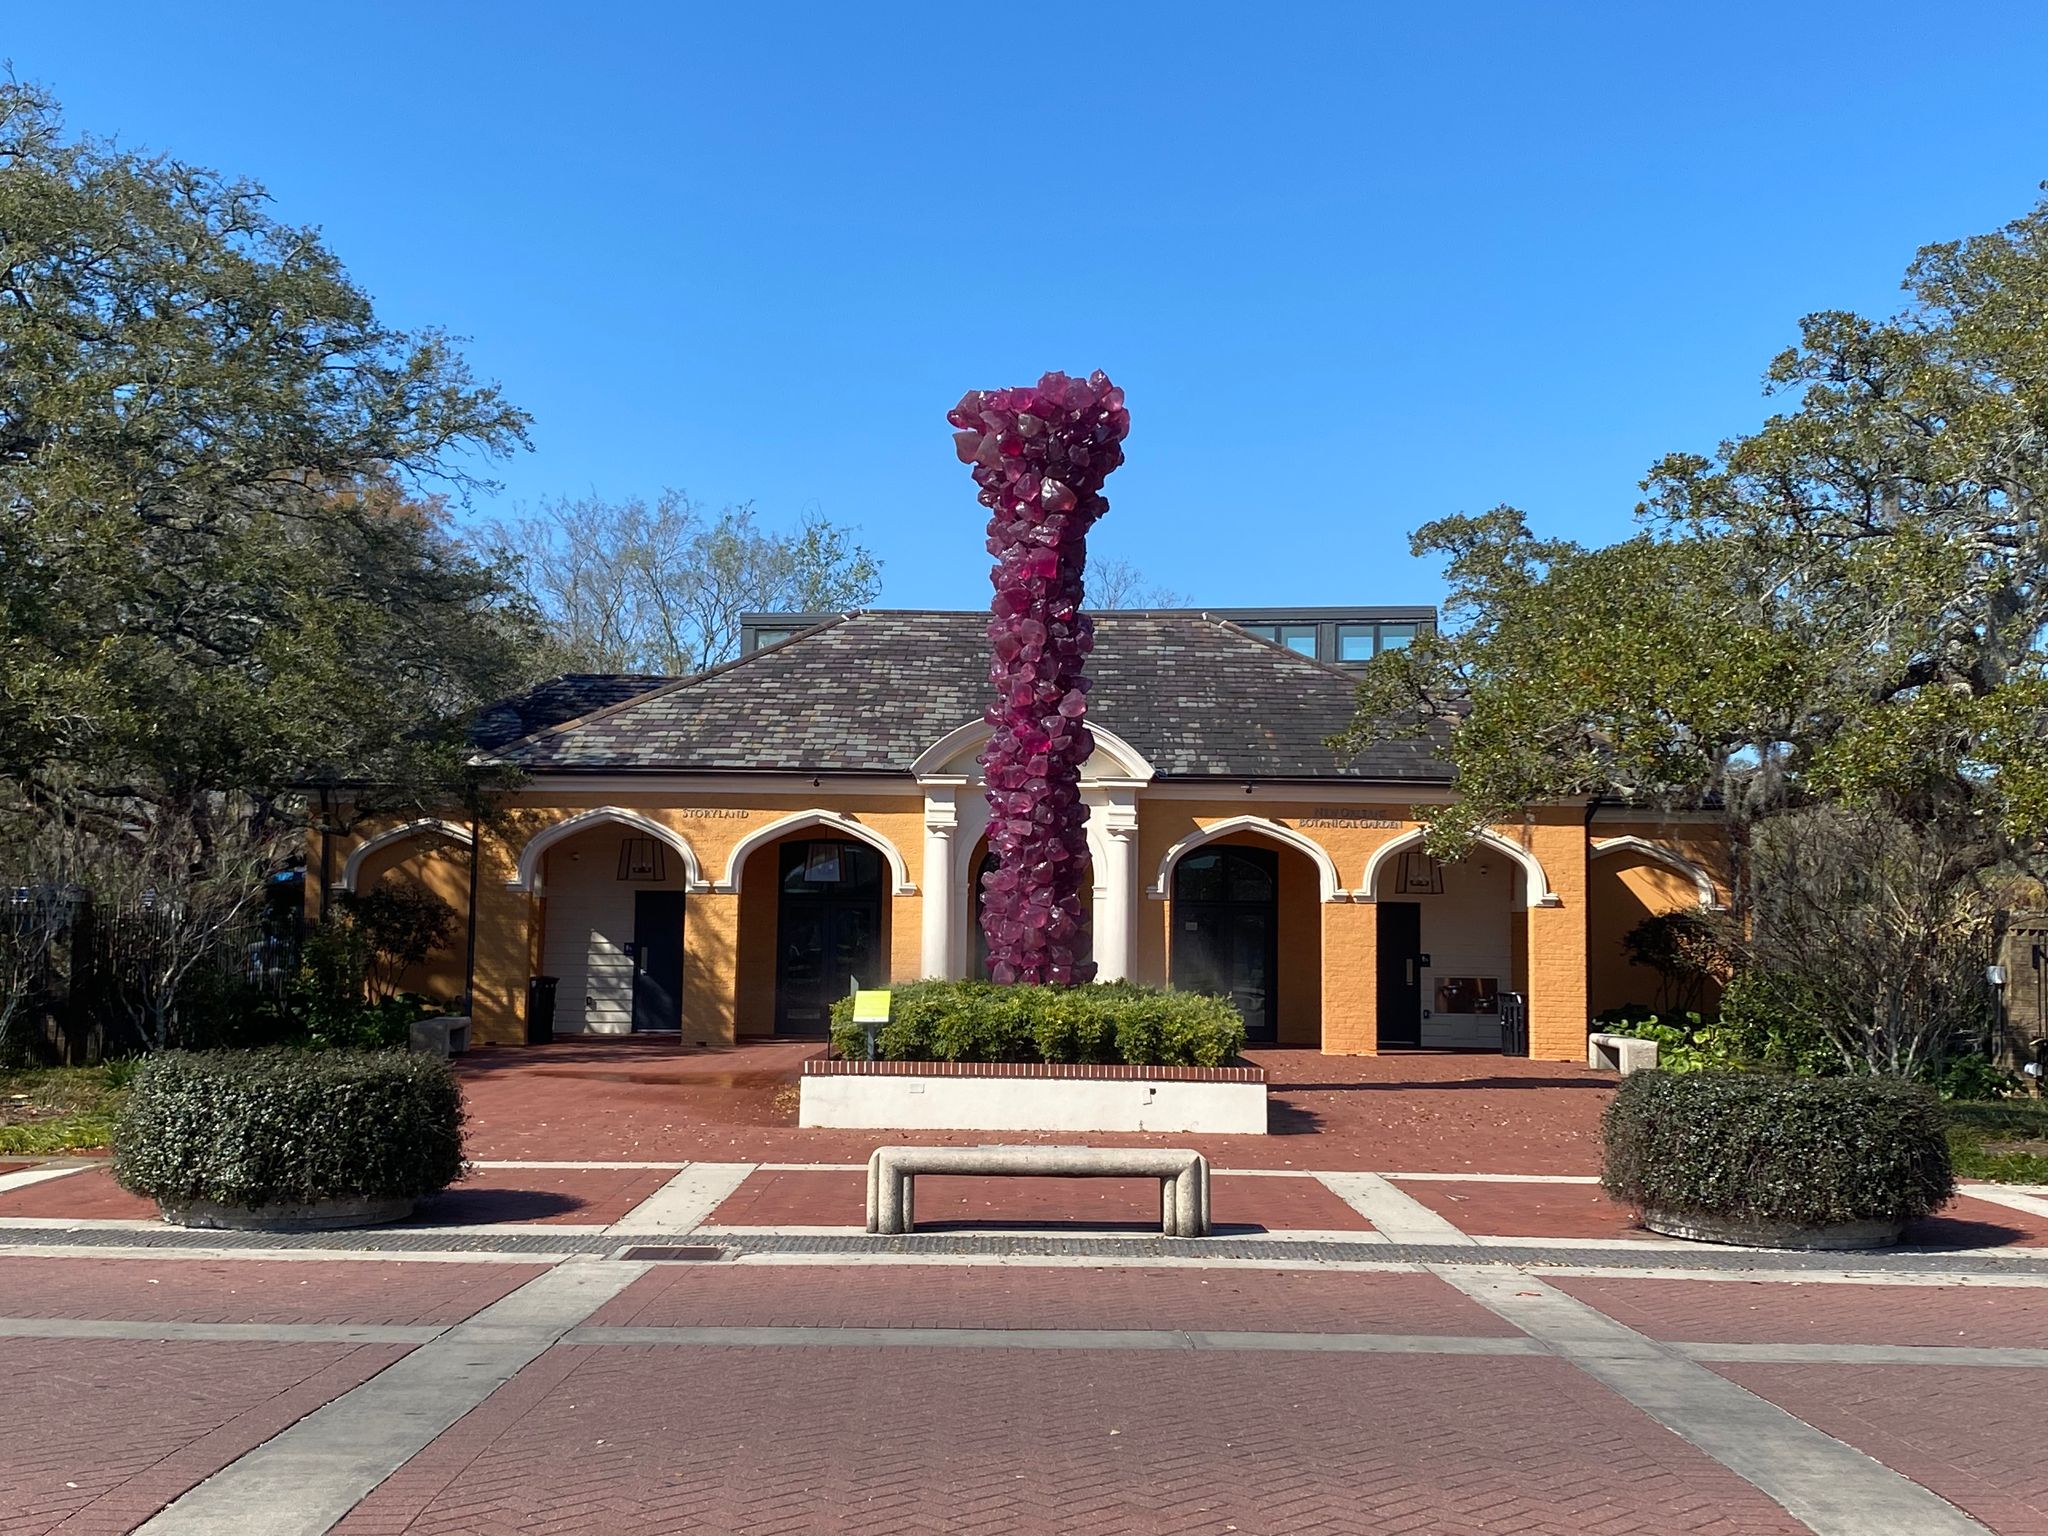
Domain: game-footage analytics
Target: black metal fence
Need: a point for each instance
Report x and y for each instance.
(88, 978)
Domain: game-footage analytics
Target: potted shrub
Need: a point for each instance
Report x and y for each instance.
(1776, 1161)
(292, 1140)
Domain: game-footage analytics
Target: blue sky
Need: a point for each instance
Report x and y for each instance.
(1355, 267)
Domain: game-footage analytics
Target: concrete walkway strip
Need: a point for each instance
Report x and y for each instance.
(684, 1201)
(1395, 1214)
(1869, 1354)
(22, 1178)
(2012, 1199)
(305, 1480)
(1834, 1489)
(787, 1337)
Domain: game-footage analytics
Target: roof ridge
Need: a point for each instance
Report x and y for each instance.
(1330, 668)
(664, 690)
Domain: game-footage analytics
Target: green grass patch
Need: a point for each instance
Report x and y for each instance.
(46, 1110)
(2003, 1141)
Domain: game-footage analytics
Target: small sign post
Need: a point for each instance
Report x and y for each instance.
(871, 1011)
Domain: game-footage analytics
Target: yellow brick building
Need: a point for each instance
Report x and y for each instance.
(718, 856)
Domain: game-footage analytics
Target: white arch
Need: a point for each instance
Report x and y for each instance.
(529, 877)
(831, 821)
(1535, 888)
(352, 868)
(942, 754)
(1326, 868)
(1703, 882)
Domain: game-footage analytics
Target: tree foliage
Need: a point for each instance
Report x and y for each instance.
(226, 568)
(1846, 605)
(1843, 611)
(629, 586)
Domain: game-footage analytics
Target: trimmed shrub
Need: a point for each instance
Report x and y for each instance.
(1771, 1147)
(1105, 1023)
(283, 1127)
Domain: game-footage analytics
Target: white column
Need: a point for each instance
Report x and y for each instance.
(938, 885)
(1116, 896)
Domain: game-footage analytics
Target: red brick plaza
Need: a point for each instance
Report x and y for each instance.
(1419, 1314)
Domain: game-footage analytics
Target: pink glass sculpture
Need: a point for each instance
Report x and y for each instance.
(1040, 456)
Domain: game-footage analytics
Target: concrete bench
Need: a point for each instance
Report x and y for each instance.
(1183, 1177)
(1620, 1053)
(444, 1036)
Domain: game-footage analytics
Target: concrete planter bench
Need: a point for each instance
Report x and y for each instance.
(1620, 1053)
(447, 1035)
(314, 1216)
(1183, 1178)
(1029, 1096)
(1748, 1232)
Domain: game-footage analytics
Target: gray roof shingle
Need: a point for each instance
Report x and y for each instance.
(866, 693)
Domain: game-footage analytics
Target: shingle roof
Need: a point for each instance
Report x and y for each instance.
(868, 692)
(568, 697)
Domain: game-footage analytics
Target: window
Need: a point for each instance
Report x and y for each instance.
(1355, 642)
(1395, 636)
(1264, 631)
(1299, 638)
(763, 638)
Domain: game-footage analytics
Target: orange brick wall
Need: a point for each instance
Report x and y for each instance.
(1327, 984)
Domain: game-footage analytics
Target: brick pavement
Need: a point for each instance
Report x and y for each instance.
(1420, 1113)
(99, 1434)
(911, 1296)
(1786, 1312)
(1971, 1435)
(368, 1292)
(1526, 1210)
(835, 1197)
(542, 1196)
(629, 1440)
(90, 1193)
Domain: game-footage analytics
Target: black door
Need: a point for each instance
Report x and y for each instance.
(657, 960)
(1400, 973)
(1226, 930)
(828, 931)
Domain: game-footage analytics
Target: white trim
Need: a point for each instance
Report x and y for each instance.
(1390, 799)
(1326, 868)
(352, 867)
(685, 788)
(1672, 859)
(832, 821)
(529, 876)
(1535, 887)
(935, 758)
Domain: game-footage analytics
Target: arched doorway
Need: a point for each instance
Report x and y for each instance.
(612, 927)
(829, 928)
(1226, 930)
(1446, 947)
(985, 862)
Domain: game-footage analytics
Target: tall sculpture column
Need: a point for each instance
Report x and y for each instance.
(1040, 455)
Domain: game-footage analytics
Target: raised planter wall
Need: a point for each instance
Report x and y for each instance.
(1017, 1096)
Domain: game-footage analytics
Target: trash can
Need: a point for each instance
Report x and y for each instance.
(540, 1009)
(1514, 1024)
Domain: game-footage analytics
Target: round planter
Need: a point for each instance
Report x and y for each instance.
(316, 1216)
(1746, 1232)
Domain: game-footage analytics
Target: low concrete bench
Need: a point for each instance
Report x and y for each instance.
(444, 1036)
(1183, 1177)
(1620, 1053)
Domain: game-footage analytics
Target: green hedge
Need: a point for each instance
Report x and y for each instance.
(1771, 1147)
(1105, 1023)
(254, 1128)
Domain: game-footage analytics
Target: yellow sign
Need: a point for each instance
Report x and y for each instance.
(871, 1007)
